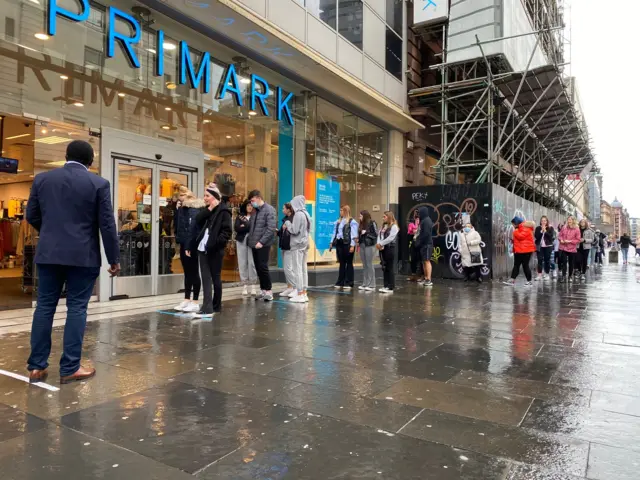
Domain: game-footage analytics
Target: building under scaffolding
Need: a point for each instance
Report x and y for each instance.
(501, 100)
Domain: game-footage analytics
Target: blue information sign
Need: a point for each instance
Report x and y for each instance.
(327, 211)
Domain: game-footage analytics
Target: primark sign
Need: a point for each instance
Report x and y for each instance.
(196, 76)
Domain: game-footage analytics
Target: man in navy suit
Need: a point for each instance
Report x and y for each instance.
(69, 206)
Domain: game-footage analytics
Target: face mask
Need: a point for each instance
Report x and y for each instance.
(466, 229)
(254, 204)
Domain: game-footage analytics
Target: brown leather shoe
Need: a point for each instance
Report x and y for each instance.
(36, 376)
(83, 373)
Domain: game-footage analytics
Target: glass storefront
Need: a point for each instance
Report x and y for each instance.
(64, 87)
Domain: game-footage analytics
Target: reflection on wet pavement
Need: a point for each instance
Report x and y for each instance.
(458, 382)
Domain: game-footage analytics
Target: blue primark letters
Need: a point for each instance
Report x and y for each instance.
(196, 76)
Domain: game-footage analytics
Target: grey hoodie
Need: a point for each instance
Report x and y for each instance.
(299, 228)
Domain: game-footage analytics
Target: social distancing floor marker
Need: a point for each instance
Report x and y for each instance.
(46, 386)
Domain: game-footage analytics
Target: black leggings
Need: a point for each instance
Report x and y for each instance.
(191, 274)
(345, 257)
(583, 258)
(544, 259)
(567, 258)
(521, 259)
(387, 256)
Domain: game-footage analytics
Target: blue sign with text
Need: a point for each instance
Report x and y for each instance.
(195, 76)
(327, 211)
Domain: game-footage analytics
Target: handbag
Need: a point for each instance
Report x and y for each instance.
(476, 257)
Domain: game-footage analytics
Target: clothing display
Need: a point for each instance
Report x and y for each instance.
(9, 237)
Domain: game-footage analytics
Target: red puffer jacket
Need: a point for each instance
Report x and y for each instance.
(523, 241)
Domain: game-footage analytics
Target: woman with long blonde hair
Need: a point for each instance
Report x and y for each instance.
(387, 247)
(569, 239)
(345, 236)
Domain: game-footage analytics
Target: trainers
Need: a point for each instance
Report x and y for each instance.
(285, 293)
(268, 297)
(385, 290)
(583, 277)
(298, 299)
(182, 306)
(245, 291)
(294, 293)
(538, 277)
(203, 314)
(528, 284)
(347, 287)
(253, 290)
(509, 282)
(191, 308)
(260, 295)
(545, 277)
(337, 286)
(369, 289)
(362, 288)
(428, 283)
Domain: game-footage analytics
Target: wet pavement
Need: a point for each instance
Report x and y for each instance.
(462, 381)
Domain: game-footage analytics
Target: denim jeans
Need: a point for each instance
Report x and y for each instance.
(625, 254)
(51, 280)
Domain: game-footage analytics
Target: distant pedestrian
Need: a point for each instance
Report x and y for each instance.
(556, 252)
(523, 247)
(387, 246)
(415, 259)
(345, 236)
(248, 276)
(471, 253)
(569, 239)
(284, 242)
(424, 244)
(367, 242)
(587, 238)
(600, 240)
(69, 207)
(625, 241)
(262, 236)
(544, 236)
(214, 229)
(299, 228)
(187, 210)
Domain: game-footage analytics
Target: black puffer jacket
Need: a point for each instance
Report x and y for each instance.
(549, 236)
(218, 221)
(425, 239)
(186, 220)
(284, 236)
(242, 227)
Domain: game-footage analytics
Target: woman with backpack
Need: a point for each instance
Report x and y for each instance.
(545, 236)
(345, 235)
(247, 269)
(299, 227)
(387, 247)
(367, 246)
(284, 242)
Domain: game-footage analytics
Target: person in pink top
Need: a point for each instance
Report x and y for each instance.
(569, 239)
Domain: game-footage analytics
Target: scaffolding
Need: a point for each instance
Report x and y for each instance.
(519, 129)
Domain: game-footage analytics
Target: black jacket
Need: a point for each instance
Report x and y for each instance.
(625, 241)
(218, 221)
(242, 227)
(369, 238)
(425, 239)
(549, 236)
(284, 237)
(185, 221)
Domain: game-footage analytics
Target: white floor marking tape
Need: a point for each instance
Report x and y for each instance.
(46, 386)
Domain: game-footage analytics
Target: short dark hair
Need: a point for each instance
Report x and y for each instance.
(81, 152)
(254, 193)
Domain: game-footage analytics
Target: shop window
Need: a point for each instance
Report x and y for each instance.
(9, 28)
(325, 10)
(350, 21)
(93, 59)
(96, 17)
(394, 15)
(394, 54)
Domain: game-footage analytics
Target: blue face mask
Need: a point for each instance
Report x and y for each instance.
(255, 204)
(466, 229)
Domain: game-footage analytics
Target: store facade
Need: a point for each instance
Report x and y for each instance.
(164, 105)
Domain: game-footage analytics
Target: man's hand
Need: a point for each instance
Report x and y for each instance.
(258, 246)
(114, 269)
(187, 253)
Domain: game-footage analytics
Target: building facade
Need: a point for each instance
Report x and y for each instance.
(594, 194)
(286, 96)
(620, 218)
(634, 228)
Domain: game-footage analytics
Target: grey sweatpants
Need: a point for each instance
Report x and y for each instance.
(300, 274)
(246, 267)
(368, 271)
(287, 265)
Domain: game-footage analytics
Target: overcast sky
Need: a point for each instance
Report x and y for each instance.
(604, 52)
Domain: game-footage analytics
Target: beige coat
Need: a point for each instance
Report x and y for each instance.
(469, 242)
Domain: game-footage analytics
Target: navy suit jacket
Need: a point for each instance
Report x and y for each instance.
(69, 206)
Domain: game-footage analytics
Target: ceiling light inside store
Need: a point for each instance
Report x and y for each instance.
(78, 104)
(151, 50)
(35, 1)
(253, 113)
(168, 109)
(228, 136)
(245, 80)
(121, 95)
(43, 131)
(52, 140)
(41, 36)
(18, 136)
(169, 46)
(64, 77)
(171, 85)
(206, 121)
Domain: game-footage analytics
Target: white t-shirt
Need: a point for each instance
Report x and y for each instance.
(203, 243)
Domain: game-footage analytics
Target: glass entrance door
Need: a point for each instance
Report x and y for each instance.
(145, 197)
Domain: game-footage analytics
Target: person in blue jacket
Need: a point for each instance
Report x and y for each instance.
(188, 208)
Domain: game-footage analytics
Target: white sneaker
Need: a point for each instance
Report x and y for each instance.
(253, 290)
(191, 308)
(370, 289)
(202, 314)
(245, 291)
(545, 277)
(383, 290)
(285, 293)
(297, 299)
(182, 306)
(306, 298)
(293, 294)
(267, 297)
(362, 288)
(337, 286)
(348, 288)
